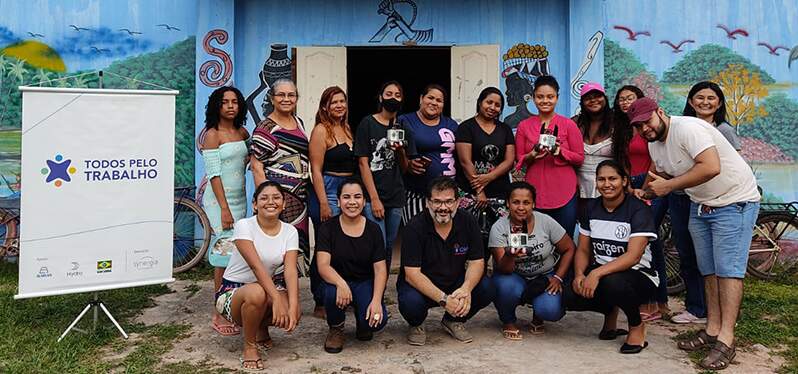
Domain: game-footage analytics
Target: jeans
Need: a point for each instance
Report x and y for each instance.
(362, 294)
(565, 215)
(331, 183)
(389, 226)
(626, 290)
(511, 291)
(722, 237)
(679, 207)
(414, 306)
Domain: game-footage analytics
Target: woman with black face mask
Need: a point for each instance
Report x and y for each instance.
(382, 160)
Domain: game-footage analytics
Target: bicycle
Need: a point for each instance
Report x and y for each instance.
(774, 243)
(9, 225)
(192, 231)
(675, 282)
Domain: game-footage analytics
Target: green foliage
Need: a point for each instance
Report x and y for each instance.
(620, 66)
(172, 67)
(706, 62)
(779, 126)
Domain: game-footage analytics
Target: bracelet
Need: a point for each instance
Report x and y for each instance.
(558, 278)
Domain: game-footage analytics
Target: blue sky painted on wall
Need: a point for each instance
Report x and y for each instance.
(96, 38)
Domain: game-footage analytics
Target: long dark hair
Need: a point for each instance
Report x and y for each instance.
(585, 117)
(382, 90)
(720, 114)
(484, 95)
(622, 131)
(214, 106)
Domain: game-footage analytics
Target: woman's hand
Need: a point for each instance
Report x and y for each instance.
(577, 284)
(555, 286)
(325, 212)
(343, 295)
(417, 166)
(374, 313)
(482, 200)
(280, 313)
(227, 219)
(377, 209)
(556, 150)
(480, 181)
(589, 285)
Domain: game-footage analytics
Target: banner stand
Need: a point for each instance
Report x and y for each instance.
(95, 304)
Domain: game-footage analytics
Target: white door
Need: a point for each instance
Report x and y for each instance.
(474, 67)
(316, 69)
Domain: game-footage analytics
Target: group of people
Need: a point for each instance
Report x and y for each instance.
(613, 172)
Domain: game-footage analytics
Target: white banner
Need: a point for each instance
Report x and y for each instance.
(97, 191)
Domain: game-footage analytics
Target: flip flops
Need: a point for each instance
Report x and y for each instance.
(226, 330)
(512, 334)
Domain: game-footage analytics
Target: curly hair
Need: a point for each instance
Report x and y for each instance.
(214, 106)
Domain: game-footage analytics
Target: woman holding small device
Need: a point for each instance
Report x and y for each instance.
(550, 146)
(532, 255)
(433, 135)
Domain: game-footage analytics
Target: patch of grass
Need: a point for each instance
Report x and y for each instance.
(30, 327)
(768, 316)
(157, 340)
(203, 271)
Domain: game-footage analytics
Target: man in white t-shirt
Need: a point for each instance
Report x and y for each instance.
(689, 153)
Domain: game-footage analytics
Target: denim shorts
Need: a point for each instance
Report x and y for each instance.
(722, 237)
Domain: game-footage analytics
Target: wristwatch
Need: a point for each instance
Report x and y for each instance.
(442, 301)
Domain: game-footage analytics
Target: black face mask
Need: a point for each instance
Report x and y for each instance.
(391, 105)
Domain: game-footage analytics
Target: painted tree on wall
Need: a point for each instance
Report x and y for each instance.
(743, 90)
(778, 126)
(622, 67)
(706, 62)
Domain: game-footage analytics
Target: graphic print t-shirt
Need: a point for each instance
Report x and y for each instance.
(487, 152)
(541, 252)
(371, 142)
(434, 142)
(610, 232)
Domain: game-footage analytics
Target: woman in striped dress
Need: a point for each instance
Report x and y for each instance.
(280, 154)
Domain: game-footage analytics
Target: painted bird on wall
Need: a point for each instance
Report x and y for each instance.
(677, 47)
(632, 35)
(78, 28)
(35, 35)
(168, 27)
(773, 50)
(130, 32)
(731, 33)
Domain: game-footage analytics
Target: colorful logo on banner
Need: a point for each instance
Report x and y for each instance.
(104, 266)
(58, 170)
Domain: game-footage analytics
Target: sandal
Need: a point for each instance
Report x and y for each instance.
(258, 364)
(612, 334)
(536, 328)
(719, 357)
(512, 334)
(649, 317)
(698, 342)
(226, 330)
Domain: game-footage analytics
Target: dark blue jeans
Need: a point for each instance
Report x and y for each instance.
(679, 205)
(362, 294)
(565, 215)
(511, 291)
(414, 306)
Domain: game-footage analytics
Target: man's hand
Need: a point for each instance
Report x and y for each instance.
(659, 185)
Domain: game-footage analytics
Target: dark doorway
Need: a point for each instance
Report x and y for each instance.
(367, 68)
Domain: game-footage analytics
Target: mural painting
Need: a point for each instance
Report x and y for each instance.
(213, 73)
(522, 64)
(395, 12)
(277, 66)
(762, 109)
(67, 53)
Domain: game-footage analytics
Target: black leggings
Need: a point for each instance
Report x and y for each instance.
(627, 290)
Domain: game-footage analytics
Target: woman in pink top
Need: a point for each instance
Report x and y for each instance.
(551, 168)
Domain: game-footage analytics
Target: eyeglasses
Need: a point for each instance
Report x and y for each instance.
(627, 99)
(438, 203)
(286, 95)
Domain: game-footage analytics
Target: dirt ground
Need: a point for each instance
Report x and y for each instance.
(568, 346)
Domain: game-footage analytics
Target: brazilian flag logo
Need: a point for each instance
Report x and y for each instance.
(104, 266)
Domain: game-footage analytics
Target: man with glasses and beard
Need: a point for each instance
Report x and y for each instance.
(442, 265)
(689, 153)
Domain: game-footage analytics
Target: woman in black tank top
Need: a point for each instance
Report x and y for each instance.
(331, 163)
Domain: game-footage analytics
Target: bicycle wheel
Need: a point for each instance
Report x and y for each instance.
(9, 234)
(774, 245)
(192, 235)
(675, 282)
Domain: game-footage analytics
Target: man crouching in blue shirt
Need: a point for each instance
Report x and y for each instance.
(436, 245)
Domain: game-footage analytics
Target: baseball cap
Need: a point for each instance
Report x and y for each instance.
(641, 110)
(591, 86)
